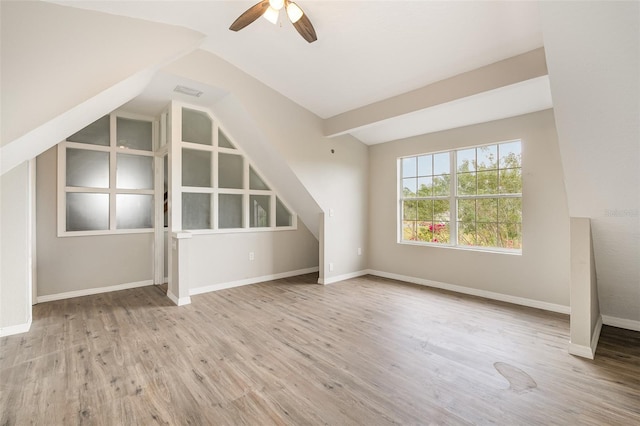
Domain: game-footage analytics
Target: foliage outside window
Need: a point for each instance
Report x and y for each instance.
(484, 192)
(106, 178)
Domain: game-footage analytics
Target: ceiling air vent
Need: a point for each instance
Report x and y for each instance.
(188, 91)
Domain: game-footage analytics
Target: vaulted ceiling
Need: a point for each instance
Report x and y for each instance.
(367, 52)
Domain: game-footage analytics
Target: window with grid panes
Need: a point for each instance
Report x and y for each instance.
(481, 185)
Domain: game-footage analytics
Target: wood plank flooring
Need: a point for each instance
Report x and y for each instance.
(366, 351)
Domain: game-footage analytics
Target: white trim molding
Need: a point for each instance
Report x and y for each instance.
(338, 278)
(248, 281)
(179, 301)
(531, 303)
(90, 291)
(621, 323)
(588, 351)
(15, 329)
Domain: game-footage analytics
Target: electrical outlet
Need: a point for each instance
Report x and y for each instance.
(331, 212)
(359, 251)
(330, 266)
(251, 255)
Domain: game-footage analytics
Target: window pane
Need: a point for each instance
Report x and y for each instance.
(87, 168)
(510, 235)
(283, 215)
(425, 186)
(409, 187)
(96, 133)
(259, 211)
(134, 134)
(409, 167)
(425, 210)
(510, 210)
(467, 183)
(409, 231)
(196, 127)
(511, 181)
(87, 212)
(255, 181)
(230, 171)
(441, 185)
(196, 168)
(196, 211)
(466, 160)
(229, 211)
(134, 211)
(423, 231)
(510, 155)
(424, 165)
(223, 141)
(488, 182)
(409, 210)
(467, 211)
(487, 210)
(487, 157)
(134, 172)
(441, 211)
(439, 232)
(441, 164)
(487, 234)
(467, 233)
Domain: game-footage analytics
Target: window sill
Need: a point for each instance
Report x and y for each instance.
(237, 230)
(492, 250)
(107, 232)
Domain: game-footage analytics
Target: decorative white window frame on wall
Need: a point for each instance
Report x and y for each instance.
(113, 150)
(453, 198)
(177, 190)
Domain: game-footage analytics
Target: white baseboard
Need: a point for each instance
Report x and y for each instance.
(90, 291)
(15, 329)
(338, 278)
(588, 351)
(596, 335)
(248, 281)
(581, 351)
(621, 323)
(476, 292)
(179, 301)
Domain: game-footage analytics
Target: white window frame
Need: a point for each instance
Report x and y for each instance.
(113, 151)
(453, 203)
(176, 188)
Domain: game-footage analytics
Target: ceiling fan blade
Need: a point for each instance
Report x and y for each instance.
(250, 15)
(305, 29)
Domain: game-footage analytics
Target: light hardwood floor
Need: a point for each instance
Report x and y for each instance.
(366, 351)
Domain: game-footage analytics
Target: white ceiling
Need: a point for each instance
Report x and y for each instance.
(366, 51)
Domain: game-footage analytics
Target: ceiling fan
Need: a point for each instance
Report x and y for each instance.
(271, 11)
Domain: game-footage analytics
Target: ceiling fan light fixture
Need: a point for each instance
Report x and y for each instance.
(294, 12)
(271, 15)
(276, 4)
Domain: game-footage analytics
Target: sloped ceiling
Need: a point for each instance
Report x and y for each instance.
(366, 52)
(52, 81)
(593, 55)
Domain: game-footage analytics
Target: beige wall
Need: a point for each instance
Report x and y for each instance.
(15, 251)
(585, 309)
(82, 263)
(224, 258)
(541, 273)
